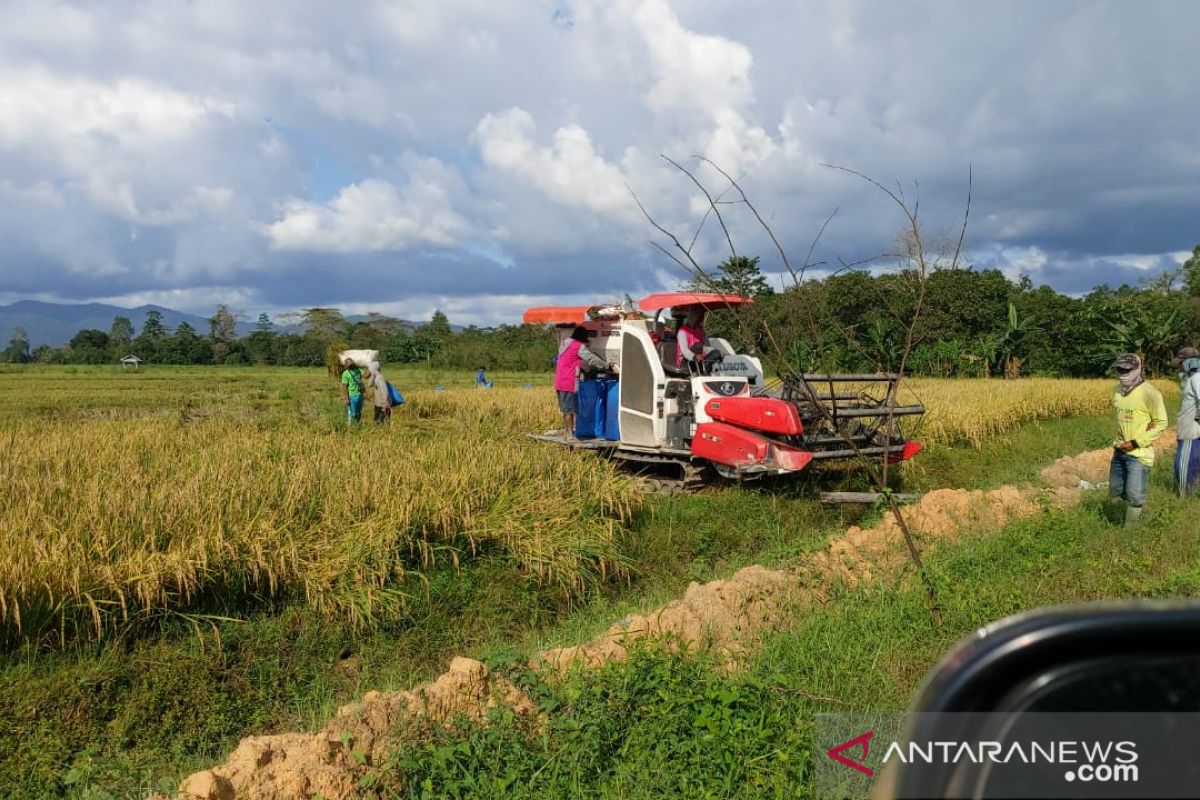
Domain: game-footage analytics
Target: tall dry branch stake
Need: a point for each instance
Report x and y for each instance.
(799, 309)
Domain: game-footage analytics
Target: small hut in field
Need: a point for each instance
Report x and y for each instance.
(131, 361)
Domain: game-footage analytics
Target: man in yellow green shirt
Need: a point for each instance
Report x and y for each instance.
(1141, 418)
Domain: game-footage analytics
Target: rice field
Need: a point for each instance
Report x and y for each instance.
(133, 495)
(969, 411)
(200, 492)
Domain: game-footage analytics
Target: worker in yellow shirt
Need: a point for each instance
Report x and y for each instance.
(1141, 418)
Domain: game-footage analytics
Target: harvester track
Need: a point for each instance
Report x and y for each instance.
(690, 476)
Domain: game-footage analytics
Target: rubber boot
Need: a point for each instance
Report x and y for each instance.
(1132, 513)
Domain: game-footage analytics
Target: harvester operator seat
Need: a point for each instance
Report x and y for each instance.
(668, 350)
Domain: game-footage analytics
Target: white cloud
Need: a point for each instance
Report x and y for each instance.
(42, 193)
(37, 106)
(569, 171)
(370, 216)
(102, 140)
(197, 301)
(701, 72)
(700, 83)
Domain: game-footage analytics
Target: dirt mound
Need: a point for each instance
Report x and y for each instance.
(329, 763)
(723, 615)
(1068, 471)
(1070, 476)
(943, 513)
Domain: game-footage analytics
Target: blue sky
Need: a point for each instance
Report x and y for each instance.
(479, 155)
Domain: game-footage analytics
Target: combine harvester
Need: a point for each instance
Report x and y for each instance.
(717, 415)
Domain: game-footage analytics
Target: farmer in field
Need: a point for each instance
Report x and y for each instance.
(1141, 418)
(352, 390)
(1187, 424)
(566, 371)
(379, 392)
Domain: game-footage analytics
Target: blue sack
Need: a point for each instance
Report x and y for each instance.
(612, 408)
(589, 411)
(394, 396)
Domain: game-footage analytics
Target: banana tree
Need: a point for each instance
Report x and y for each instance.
(1011, 344)
(1153, 337)
(985, 351)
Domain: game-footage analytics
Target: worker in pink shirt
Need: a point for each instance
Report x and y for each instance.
(566, 373)
(692, 338)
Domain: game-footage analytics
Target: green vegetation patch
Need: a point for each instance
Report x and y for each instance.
(667, 725)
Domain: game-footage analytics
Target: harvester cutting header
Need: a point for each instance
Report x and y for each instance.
(688, 404)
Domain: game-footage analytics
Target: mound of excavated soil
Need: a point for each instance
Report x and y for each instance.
(324, 764)
(1068, 475)
(723, 615)
(862, 553)
(943, 513)
(726, 616)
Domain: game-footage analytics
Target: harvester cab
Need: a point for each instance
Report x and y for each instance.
(689, 403)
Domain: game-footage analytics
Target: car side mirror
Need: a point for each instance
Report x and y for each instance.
(1108, 692)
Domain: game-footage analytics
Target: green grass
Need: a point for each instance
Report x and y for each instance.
(670, 725)
(141, 712)
(1013, 458)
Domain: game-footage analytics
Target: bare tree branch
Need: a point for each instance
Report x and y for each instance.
(707, 214)
(711, 204)
(962, 232)
(761, 221)
(776, 357)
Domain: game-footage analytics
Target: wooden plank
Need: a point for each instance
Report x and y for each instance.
(864, 497)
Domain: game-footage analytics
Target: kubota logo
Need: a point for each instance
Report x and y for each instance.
(837, 753)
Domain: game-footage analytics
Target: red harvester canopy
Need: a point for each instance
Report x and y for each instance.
(710, 302)
(556, 315)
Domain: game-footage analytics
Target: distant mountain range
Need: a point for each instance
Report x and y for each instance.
(55, 324)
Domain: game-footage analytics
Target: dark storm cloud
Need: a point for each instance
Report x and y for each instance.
(357, 278)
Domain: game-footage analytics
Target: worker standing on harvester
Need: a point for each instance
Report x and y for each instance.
(1141, 418)
(566, 373)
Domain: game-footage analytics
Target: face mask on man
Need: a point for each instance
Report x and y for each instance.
(1129, 371)
(1129, 380)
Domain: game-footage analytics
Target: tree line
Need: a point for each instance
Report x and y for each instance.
(322, 333)
(976, 323)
